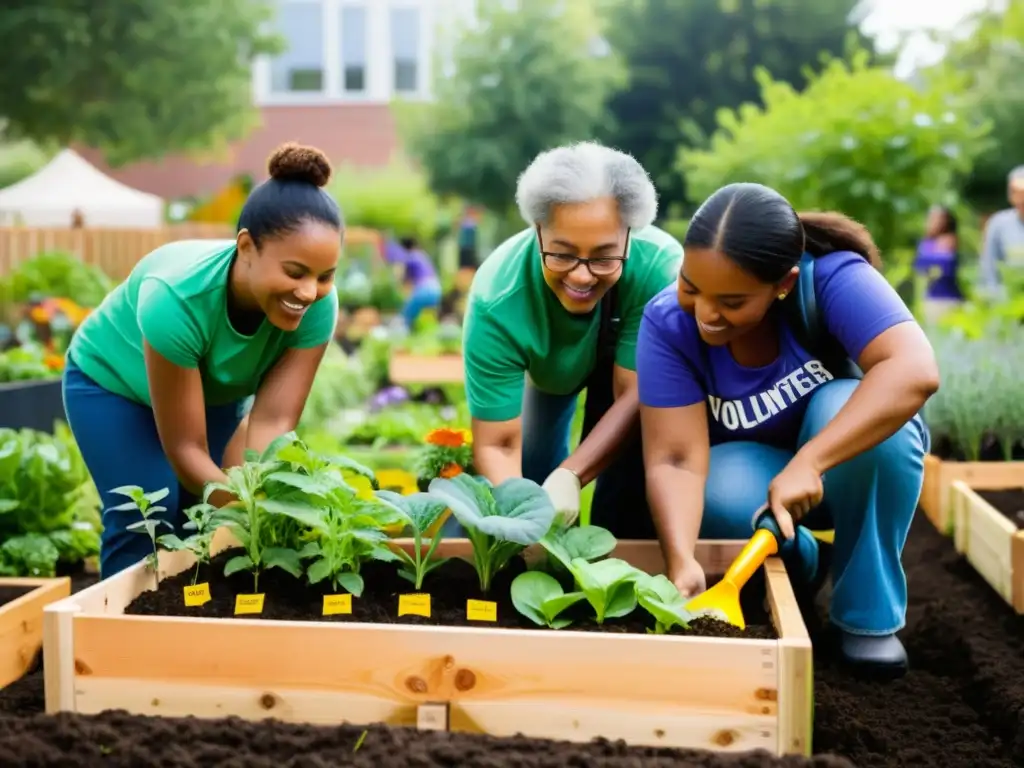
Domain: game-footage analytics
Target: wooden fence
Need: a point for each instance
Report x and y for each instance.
(116, 251)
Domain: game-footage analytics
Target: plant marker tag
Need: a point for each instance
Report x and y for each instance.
(481, 610)
(414, 605)
(336, 604)
(197, 594)
(248, 604)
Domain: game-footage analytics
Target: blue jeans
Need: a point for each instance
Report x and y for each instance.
(870, 500)
(120, 446)
(423, 296)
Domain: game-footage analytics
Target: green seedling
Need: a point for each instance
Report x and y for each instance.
(420, 511)
(202, 521)
(659, 597)
(146, 504)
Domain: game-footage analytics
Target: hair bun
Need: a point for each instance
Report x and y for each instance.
(295, 162)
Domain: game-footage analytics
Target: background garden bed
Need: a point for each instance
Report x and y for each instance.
(988, 532)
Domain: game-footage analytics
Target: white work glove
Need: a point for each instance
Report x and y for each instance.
(563, 488)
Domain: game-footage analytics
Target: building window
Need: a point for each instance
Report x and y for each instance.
(405, 48)
(353, 48)
(300, 69)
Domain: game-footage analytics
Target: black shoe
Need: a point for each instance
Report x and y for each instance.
(875, 656)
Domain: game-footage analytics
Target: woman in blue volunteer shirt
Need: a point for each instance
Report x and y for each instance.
(738, 413)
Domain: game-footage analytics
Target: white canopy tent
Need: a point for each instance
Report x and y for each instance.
(68, 184)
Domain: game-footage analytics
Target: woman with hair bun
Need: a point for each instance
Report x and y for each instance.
(207, 349)
(782, 373)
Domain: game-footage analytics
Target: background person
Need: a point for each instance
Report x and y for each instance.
(532, 335)
(938, 261)
(160, 376)
(737, 412)
(1004, 236)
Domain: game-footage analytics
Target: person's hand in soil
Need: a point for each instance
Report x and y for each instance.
(688, 577)
(794, 492)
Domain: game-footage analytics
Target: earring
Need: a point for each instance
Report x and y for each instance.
(782, 296)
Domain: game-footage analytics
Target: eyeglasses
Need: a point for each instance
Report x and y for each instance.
(564, 263)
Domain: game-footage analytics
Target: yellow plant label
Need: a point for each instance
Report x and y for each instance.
(196, 595)
(335, 604)
(248, 604)
(414, 605)
(481, 610)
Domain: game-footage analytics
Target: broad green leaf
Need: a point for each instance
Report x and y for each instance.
(588, 541)
(8, 505)
(172, 542)
(318, 571)
(277, 444)
(314, 486)
(303, 514)
(469, 499)
(285, 559)
(156, 496)
(529, 591)
(421, 509)
(238, 563)
(352, 582)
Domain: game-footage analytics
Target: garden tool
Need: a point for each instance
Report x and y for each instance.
(724, 597)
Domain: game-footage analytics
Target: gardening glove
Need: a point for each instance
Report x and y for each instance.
(563, 488)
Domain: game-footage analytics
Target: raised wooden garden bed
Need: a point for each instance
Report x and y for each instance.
(21, 621)
(989, 532)
(426, 369)
(939, 476)
(721, 693)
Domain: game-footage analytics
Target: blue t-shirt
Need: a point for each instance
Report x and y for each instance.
(675, 368)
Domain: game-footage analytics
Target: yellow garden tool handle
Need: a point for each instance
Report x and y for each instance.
(761, 546)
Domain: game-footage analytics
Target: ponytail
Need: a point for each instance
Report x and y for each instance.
(827, 232)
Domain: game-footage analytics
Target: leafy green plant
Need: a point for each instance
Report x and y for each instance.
(420, 511)
(250, 516)
(540, 597)
(608, 585)
(146, 504)
(349, 530)
(660, 598)
(565, 543)
(500, 521)
(202, 520)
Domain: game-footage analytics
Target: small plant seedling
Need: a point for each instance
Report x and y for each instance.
(146, 504)
(202, 519)
(419, 511)
(660, 598)
(540, 598)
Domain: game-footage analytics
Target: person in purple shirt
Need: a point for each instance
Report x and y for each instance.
(937, 260)
(740, 417)
(420, 277)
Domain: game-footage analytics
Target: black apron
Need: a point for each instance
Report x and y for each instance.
(620, 495)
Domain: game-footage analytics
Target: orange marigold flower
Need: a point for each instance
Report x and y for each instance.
(446, 438)
(54, 362)
(39, 315)
(451, 470)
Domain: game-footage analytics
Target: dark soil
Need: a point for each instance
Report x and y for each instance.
(450, 585)
(961, 706)
(9, 594)
(1009, 502)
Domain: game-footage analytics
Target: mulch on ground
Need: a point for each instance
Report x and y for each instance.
(962, 706)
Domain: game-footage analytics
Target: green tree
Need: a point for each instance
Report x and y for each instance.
(523, 80)
(688, 59)
(856, 140)
(992, 59)
(135, 78)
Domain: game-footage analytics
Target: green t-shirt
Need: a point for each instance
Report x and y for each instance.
(515, 325)
(176, 299)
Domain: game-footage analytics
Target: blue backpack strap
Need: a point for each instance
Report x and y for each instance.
(809, 327)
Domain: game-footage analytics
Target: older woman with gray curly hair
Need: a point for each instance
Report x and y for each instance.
(555, 310)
